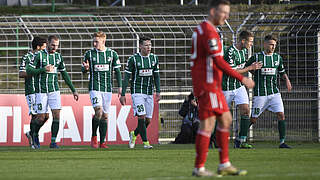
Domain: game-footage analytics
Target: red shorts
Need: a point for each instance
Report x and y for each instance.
(212, 104)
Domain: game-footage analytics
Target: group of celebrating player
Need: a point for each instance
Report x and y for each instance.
(40, 67)
(214, 90)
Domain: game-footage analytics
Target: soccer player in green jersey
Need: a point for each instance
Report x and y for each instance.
(266, 93)
(38, 44)
(45, 67)
(100, 62)
(233, 90)
(143, 68)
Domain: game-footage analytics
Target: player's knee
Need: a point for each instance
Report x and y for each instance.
(244, 110)
(105, 117)
(98, 113)
(253, 120)
(40, 117)
(281, 116)
(148, 120)
(142, 117)
(46, 117)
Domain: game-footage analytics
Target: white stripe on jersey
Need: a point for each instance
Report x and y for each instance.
(135, 77)
(209, 66)
(142, 67)
(258, 89)
(199, 29)
(54, 65)
(91, 64)
(98, 72)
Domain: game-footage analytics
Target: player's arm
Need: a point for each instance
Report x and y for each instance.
(22, 68)
(85, 63)
(284, 75)
(66, 78)
(156, 76)
(214, 48)
(254, 66)
(32, 67)
(127, 73)
(116, 66)
(252, 61)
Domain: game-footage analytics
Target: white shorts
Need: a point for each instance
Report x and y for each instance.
(272, 103)
(142, 105)
(46, 100)
(31, 101)
(102, 99)
(239, 96)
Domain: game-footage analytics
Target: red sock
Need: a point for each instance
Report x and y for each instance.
(222, 136)
(202, 145)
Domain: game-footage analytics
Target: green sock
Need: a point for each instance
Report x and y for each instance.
(282, 130)
(142, 129)
(95, 125)
(103, 129)
(54, 130)
(244, 127)
(137, 130)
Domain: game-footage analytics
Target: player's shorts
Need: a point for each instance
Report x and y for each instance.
(239, 96)
(31, 101)
(102, 99)
(272, 103)
(212, 104)
(142, 104)
(46, 100)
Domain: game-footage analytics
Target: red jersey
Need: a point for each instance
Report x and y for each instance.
(207, 63)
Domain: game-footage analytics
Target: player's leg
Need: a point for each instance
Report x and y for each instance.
(54, 101)
(106, 103)
(138, 105)
(149, 112)
(276, 105)
(244, 126)
(96, 101)
(31, 102)
(41, 107)
(207, 118)
(242, 102)
(225, 167)
(202, 144)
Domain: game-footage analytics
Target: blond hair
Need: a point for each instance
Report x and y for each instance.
(100, 34)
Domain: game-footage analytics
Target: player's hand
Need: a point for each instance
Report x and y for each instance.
(256, 65)
(249, 83)
(288, 83)
(119, 91)
(86, 65)
(158, 97)
(49, 68)
(75, 96)
(123, 100)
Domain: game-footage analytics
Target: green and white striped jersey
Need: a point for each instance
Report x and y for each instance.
(142, 69)
(29, 86)
(237, 59)
(102, 64)
(266, 78)
(47, 82)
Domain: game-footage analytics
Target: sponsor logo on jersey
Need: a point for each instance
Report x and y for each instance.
(101, 67)
(268, 71)
(145, 72)
(213, 44)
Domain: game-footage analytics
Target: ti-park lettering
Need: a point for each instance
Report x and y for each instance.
(68, 124)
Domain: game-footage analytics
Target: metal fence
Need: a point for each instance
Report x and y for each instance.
(171, 38)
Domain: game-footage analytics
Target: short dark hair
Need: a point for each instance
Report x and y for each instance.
(38, 41)
(245, 35)
(144, 38)
(52, 37)
(216, 3)
(270, 37)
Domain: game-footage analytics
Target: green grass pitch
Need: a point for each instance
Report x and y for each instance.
(169, 161)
